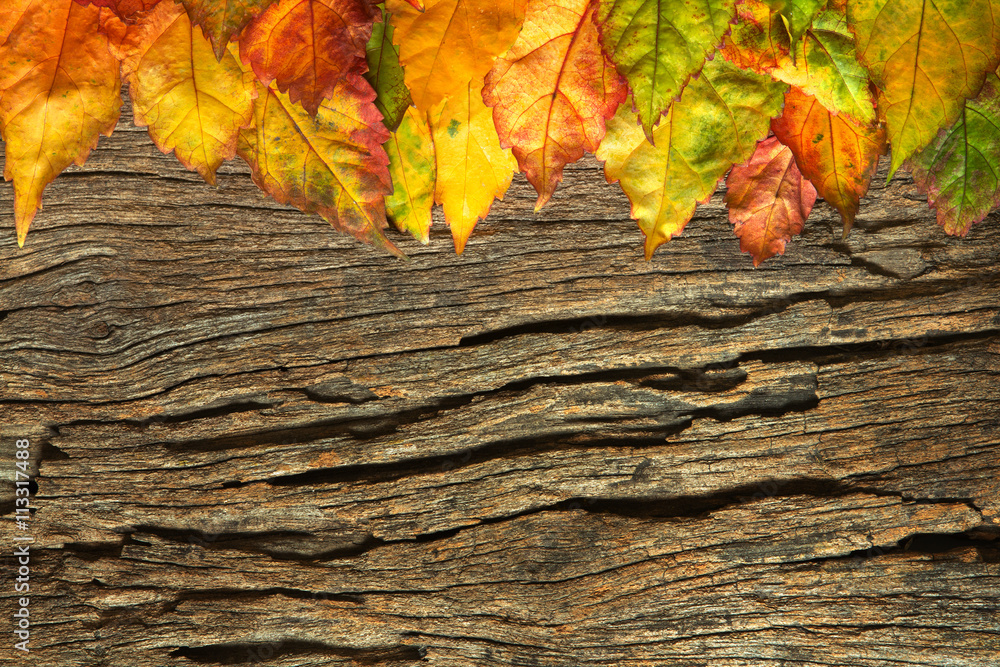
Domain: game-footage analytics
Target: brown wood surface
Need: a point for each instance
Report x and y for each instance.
(260, 442)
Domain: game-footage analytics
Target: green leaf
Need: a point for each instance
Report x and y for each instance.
(386, 74)
(960, 170)
(717, 122)
(797, 15)
(825, 65)
(658, 44)
(411, 166)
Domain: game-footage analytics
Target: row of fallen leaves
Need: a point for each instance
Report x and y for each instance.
(345, 108)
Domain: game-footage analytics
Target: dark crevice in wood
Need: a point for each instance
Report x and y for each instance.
(835, 354)
(258, 652)
(648, 322)
(987, 547)
(280, 545)
(374, 472)
(244, 596)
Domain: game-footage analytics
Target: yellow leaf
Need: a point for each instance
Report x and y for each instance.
(451, 42)
(472, 168)
(59, 90)
(193, 104)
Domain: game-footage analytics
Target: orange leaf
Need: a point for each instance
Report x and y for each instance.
(59, 90)
(451, 43)
(193, 104)
(768, 200)
(308, 46)
(472, 167)
(553, 90)
(838, 155)
(332, 163)
(126, 10)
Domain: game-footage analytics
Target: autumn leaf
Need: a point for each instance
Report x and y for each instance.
(825, 65)
(472, 168)
(126, 10)
(451, 43)
(59, 90)
(386, 75)
(552, 92)
(193, 104)
(926, 57)
(759, 41)
(658, 44)
(822, 62)
(332, 163)
(768, 200)
(960, 170)
(411, 165)
(796, 15)
(308, 46)
(717, 122)
(836, 154)
(223, 19)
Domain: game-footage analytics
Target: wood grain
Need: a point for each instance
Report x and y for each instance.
(260, 442)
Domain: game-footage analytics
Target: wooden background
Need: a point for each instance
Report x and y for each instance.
(259, 442)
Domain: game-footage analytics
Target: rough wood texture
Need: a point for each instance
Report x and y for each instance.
(259, 442)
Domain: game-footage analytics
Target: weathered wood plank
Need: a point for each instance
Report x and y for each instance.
(259, 442)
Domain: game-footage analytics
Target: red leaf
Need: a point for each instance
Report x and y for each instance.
(308, 46)
(768, 200)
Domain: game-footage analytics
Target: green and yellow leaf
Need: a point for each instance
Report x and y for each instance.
(657, 45)
(926, 57)
(411, 165)
(960, 170)
(717, 122)
(385, 74)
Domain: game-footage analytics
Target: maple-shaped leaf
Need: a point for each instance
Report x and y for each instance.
(797, 15)
(451, 43)
(926, 57)
(59, 90)
(223, 19)
(824, 64)
(658, 44)
(716, 123)
(126, 10)
(960, 170)
(332, 163)
(836, 154)
(193, 104)
(386, 75)
(411, 165)
(768, 200)
(308, 46)
(552, 92)
(472, 168)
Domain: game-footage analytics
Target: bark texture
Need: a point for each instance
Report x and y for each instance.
(259, 442)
